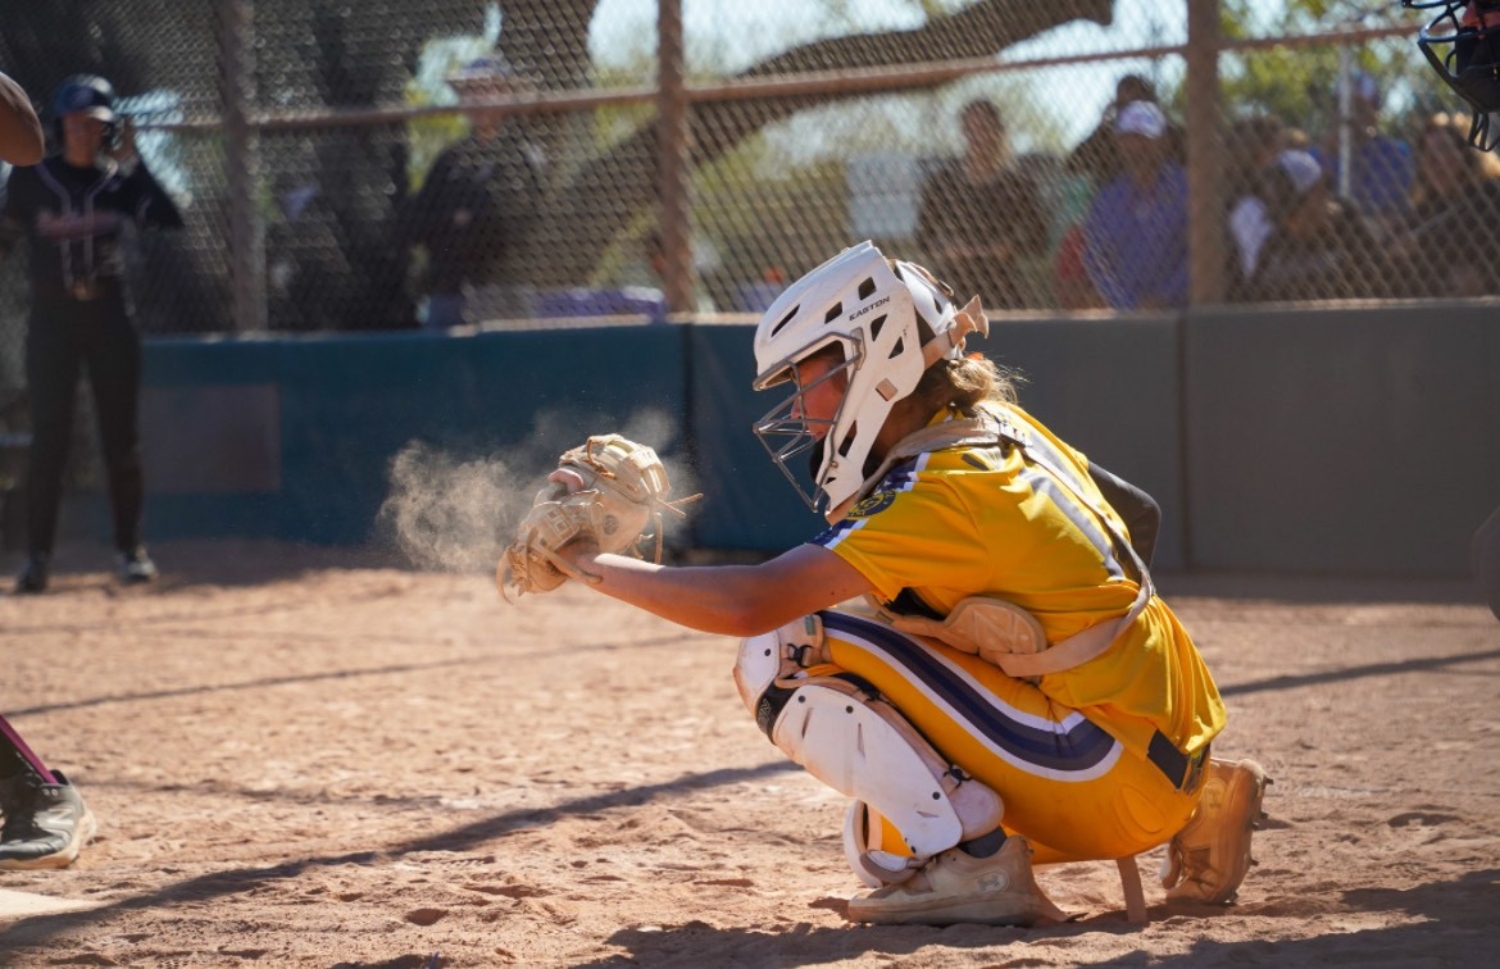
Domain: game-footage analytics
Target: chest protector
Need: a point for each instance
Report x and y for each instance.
(995, 630)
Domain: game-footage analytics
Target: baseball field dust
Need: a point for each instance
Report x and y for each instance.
(312, 757)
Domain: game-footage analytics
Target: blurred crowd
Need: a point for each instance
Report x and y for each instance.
(1371, 210)
(1363, 216)
(1360, 213)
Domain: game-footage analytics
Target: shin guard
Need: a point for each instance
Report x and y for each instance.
(849, 738)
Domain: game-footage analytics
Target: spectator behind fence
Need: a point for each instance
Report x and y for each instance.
(476, 206)
(1381, 167)
(74, 208)
(1253, 146)
(1317, 248)
(1073, 194)
(1455, 219)
(1098, 155)
(1135, 235)
(980, 216)
(328, 265)
(307, 270)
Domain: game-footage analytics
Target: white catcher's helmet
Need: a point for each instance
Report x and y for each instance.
(870, 308)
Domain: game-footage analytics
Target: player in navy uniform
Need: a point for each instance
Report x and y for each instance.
(73, 207)
(46, 821)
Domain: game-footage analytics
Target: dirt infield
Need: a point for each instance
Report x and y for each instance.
(303, 758)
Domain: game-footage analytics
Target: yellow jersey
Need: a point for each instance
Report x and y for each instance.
(986, 520)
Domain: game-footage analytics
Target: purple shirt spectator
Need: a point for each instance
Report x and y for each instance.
(1136, 230)
(1381, 167)
(1380, 178)
(1136, 250)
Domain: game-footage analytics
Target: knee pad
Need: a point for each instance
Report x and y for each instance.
(776, 657)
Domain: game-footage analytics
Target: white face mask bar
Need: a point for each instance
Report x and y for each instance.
(789, 435)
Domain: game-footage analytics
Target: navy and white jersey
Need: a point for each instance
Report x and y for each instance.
(74, 218)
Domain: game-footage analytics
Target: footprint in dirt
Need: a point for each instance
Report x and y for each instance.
(433, 961)
(426, 916)
(509, 891)
(1426, 819)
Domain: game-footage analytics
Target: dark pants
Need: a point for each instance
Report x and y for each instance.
(63, 339)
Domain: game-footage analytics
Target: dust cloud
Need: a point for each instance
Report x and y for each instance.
(456, 513)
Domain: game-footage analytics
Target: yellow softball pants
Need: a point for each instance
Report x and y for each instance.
(1068, 785)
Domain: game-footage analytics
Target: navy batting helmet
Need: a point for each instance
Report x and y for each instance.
(85, 94)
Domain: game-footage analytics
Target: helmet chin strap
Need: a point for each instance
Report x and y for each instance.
(950, 342)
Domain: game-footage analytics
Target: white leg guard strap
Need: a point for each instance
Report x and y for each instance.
(864, 850)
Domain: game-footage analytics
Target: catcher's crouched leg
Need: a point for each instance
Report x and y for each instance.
(837, 727)
(853, 741)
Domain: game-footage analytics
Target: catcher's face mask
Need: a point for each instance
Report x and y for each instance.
(797, 429)
(1462, 43)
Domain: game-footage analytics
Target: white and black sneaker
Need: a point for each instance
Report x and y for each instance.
(136, 567)
(46, 825)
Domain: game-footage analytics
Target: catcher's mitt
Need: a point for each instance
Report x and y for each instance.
(610, 490)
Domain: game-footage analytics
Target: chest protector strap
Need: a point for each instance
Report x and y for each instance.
(998, 631)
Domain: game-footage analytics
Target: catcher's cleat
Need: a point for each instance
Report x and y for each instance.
(955, 887)
(1209, 857)
(46, 825)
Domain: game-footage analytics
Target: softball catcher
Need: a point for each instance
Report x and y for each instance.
(1013, 689)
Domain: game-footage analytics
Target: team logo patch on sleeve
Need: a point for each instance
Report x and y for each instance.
(876, 503)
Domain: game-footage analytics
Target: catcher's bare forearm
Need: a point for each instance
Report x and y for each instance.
(731, 600)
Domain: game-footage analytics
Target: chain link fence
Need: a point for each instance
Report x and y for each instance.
(395, 164)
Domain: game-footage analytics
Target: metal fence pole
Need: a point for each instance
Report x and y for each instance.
(246, 256)
(1205, 146)
(1346, 121)
(672, 137)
